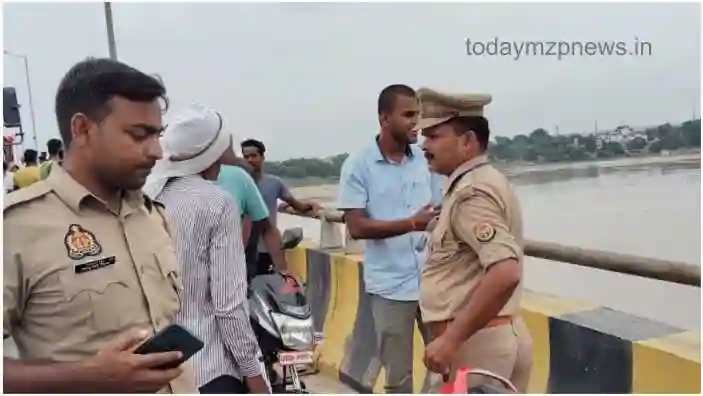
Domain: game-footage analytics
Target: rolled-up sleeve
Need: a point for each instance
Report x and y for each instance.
(478, 220)
(229, 291)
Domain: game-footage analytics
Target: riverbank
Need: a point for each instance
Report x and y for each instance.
(325, 190)
(683, 157)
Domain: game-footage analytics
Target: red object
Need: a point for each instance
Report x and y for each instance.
(291, 286)
(460, 385)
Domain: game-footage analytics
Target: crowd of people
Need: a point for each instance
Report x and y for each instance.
(34, 166)
(130, 226)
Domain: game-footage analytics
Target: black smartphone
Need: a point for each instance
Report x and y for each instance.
(169, 339)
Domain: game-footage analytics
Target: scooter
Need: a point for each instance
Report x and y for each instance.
(282, 321)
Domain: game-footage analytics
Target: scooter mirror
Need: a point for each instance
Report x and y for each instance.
(291, 238)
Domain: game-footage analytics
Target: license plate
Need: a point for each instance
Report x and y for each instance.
(291, 358)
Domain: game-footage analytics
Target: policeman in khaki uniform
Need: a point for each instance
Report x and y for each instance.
(471, 283)
(88, 258)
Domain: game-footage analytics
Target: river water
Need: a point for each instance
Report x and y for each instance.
(643, 207)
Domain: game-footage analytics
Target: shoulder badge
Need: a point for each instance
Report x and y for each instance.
(80, 242)
(484, 232)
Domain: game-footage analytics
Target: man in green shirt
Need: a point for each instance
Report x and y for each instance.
(55, 149)
(241, 185)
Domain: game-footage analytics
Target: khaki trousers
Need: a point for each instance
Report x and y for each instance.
(505, 350)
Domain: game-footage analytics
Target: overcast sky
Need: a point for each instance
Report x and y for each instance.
(305, 78)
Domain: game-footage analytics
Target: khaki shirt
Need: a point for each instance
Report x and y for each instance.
(480, 225)
(77, 275)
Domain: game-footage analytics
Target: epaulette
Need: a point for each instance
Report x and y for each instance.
(148, 202)
(26, 194)
(159, 204)
(160, 210)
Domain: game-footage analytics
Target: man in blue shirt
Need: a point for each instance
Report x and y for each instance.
(240, 184)
(388, 196)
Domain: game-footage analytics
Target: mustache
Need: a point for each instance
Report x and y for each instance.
(428, 155)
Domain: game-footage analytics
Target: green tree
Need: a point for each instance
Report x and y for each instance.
(691, 131)
(589, 144)
(538, 146)
(636, 144)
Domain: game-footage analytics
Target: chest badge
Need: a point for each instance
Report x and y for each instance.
(80, 242)
(484, 232)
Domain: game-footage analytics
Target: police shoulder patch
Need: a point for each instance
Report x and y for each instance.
(484, 232)
(81, 243)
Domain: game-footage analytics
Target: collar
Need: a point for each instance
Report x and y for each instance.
(381, 157)
(75, 194)
(464, 168)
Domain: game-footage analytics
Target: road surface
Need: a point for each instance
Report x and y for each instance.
(319, 384)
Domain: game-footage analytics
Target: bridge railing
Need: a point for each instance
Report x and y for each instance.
(332, 237)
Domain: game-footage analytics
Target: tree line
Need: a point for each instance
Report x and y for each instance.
(539, 146)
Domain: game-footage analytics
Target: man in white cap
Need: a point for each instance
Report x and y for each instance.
(209, 247)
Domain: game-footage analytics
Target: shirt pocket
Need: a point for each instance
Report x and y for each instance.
(420, 183)
(417, 191)
(445, 247)
(170, 283)
(384, 197)
(112, 303)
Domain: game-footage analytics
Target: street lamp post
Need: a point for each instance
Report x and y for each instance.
(29, 94)
(110, 31)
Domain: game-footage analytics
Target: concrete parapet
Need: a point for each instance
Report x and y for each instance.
(578, 347)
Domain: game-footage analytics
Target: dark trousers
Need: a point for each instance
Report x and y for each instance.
(225, 384)
(258, 264)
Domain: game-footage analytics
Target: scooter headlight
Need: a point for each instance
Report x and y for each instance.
(297, 334)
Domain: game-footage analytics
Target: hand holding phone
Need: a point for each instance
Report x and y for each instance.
(173, 338)
(117, 369)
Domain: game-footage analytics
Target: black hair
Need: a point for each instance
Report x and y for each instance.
(53, 146)
(90, 84)
(254, 143)
(387, 97)
(30, 156)
(477, 124)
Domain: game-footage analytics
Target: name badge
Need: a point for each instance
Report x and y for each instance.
(95, 264)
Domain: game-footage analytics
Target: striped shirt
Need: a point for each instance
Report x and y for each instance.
(206, 224)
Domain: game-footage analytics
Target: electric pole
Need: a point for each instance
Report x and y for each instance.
(110, 31)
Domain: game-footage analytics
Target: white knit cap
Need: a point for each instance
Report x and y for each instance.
(192, 142)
